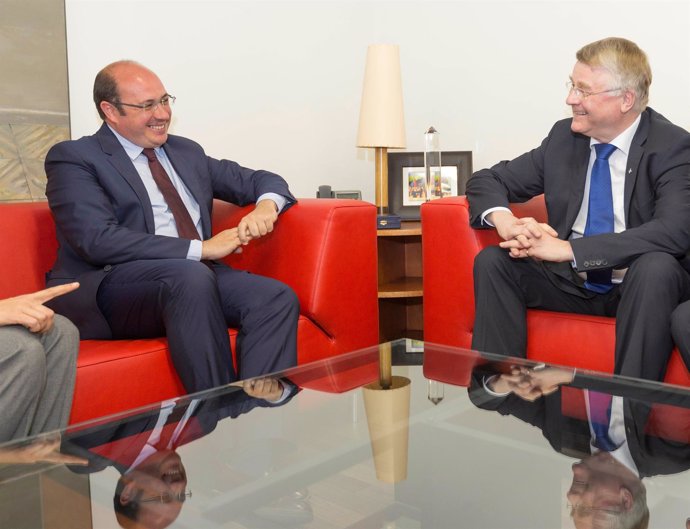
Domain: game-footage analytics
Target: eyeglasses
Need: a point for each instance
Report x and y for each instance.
(585, 510)
(168, 497)
(584, 94)
(151, 106)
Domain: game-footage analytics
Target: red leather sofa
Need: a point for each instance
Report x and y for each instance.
(449, 246)
(324, 249)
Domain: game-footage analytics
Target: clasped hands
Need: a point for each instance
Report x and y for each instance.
(255, 224)
(525, 237)
(531, 383)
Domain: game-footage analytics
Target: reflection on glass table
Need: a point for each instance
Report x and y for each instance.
(480, 456)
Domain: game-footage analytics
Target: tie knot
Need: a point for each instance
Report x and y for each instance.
(150, 154)
(604, 150)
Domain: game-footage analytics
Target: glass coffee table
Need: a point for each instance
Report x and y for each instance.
(357, 442)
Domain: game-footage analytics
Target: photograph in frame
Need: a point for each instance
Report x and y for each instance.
(407, 182)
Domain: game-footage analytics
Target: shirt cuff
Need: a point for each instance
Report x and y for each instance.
(491, 210)
(486, 381)
(275, 197)
(194, 252)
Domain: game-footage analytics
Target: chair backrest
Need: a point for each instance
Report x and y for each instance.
(28, 247)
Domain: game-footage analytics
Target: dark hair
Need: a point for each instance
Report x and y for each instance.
(105, 87)
(128, 511)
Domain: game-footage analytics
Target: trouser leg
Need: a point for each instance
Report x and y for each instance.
(266, 312)
(680, 330)
(653, 287)
(505, 287)
(39, 372)
(60, 345)
(177, 298)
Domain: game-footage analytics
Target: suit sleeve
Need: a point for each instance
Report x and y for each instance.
(239, 185)
(516, 180)
(97, 213)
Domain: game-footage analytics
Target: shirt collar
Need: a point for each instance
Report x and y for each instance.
(132, 149)
(624, 139)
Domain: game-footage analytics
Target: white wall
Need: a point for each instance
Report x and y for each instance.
(277, 85)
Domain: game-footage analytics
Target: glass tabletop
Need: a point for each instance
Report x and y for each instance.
(387, 437)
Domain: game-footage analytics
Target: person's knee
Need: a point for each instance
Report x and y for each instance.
(489, 257)
(67, 332)
(23, 355)
(680, 323)
(280, 296)
(656, 265)
(290, 300)
(191, 278)
(489, 260)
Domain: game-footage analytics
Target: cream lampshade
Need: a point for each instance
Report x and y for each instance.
(381, 118)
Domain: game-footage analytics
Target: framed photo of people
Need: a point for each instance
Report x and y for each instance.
(407, 180)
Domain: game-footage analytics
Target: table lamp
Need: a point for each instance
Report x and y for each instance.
(381, 119)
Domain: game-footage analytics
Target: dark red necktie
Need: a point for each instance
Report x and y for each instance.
(183, 220)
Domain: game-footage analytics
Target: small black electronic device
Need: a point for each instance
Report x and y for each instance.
(327, 192)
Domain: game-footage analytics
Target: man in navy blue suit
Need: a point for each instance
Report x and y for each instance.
(142, 248)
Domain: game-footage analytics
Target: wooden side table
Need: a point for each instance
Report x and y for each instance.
(400, 282)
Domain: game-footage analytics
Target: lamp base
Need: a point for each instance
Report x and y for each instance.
(387, 222)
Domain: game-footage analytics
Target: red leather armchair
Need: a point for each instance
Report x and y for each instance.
(449, 246)
(324, 249)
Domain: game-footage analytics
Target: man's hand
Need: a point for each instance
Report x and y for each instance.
(530, 384)
(39, 451)
(518, 231)
(28, 309)
(221, 244)
(268, 388)
(259, 222)
(546, 247)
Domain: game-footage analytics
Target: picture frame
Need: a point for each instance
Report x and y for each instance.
(406, 179)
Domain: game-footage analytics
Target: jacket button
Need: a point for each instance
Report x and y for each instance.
(107, 268)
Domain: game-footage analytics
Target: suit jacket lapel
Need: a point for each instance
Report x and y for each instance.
(634, 157)
(188, 175)
(578, 177)
(123, 165)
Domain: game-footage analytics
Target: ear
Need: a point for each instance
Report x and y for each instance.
(629, 99)
(626, 498)
(111, 112)
(128, 492)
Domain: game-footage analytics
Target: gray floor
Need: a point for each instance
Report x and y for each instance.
(34, 111)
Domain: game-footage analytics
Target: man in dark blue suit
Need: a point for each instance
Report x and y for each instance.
(617, 249)
(142, 247)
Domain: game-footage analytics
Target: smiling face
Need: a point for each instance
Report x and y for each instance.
(161, 474)
(138, 85)
(604, 115)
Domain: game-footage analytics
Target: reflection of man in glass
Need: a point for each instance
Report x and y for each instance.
(641, 437)
(606, 494)
(153, 485)
(151, 495)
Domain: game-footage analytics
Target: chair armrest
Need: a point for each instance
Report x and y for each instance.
(325, 250)
(449, 246)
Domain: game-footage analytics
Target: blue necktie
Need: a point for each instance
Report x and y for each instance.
(600, 212)
(599, 417)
